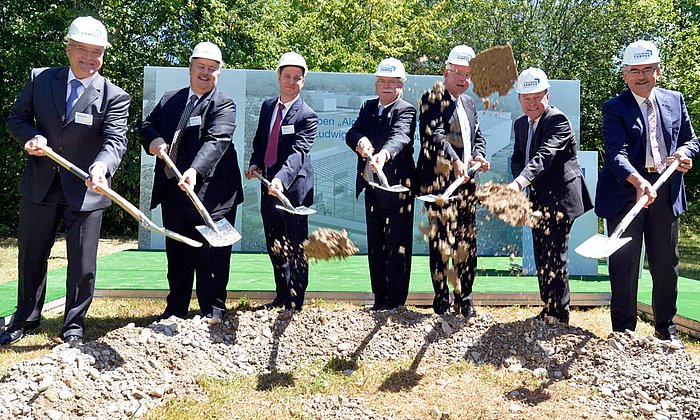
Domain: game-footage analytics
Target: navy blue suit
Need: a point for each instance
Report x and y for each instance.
(389, 215)
(441, 143)
(558, 190)
(625, 138)
(285, 232)
(51, 194)
(208, 148)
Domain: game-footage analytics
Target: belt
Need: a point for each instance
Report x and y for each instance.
(651, 169)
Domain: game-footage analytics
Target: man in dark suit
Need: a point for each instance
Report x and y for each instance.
(450, 141)
(644, 129)
(384, 130)
(82, 116)
(544, 161)
(194, 126)
(281, 151)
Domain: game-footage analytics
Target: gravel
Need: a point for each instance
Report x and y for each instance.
(132, 369)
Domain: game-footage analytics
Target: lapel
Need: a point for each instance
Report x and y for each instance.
(664, 107)
(287, 120)
(537, 135)
(201, 105)
(89, 96)
(636, 113)
(58, 88)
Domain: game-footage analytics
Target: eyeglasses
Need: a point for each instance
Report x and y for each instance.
(647, 71)
(466, 76)
(92, 52)
(292, 79)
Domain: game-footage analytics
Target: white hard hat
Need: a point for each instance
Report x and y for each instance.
(460, 55)
(207, 50)
(292, 59)
(640, 52)
(391, 67)
(532, 80)
(88, 30)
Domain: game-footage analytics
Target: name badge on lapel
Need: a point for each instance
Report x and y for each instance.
(195, 121)
(84, 119)
(287, 129)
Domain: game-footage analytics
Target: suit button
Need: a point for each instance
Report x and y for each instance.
(60, 148)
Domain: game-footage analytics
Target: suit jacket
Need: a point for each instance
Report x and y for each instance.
(392, 131)
(293, 165)
(625, 142)
(441, 137)
(207, 147)
(556, 179)
(40, 110)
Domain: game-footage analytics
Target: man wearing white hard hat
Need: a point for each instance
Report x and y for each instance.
(83, 117)
(194, 126)
(451, 142)
(645, 129)
(382, 137)
(281, 151)
(544, 162)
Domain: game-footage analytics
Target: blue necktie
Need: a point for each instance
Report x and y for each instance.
(73, 97)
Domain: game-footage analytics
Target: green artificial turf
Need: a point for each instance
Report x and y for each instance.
(146, 270)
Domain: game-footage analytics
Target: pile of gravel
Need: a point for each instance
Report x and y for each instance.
(131, 369)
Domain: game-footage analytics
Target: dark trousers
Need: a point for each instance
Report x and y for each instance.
(284, 237)
(659, 227)
(389, 250)
(550, 239)
(38, 223)
(210, 264)
(455, 238)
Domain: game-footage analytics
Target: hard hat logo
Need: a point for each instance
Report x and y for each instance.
(531, 84)
(386, 69)
(645, 54)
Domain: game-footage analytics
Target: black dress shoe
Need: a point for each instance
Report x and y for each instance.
(73, 340)
(15, 333)
(271, 305)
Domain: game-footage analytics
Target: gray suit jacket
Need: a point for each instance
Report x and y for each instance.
(40, 109)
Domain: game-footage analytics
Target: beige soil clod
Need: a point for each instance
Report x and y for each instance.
(507, 204)
(325, 244)
(493, 70)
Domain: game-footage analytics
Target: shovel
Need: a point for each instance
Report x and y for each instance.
(431, 198)
(121, 201)
(288, 207)
(601, 246)
(219, 233)
(383, 181)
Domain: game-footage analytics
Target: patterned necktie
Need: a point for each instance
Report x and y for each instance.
(273, 139)
(466, 132)
(530, 135)
(659, 163)
(178, 133)
(73, 97)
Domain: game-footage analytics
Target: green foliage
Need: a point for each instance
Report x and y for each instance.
(569, 39)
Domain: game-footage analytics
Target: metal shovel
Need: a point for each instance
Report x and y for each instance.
(219, 233)
(431, 198)
(288, 207)
(601, 246)
(121, 201)
(383, 181)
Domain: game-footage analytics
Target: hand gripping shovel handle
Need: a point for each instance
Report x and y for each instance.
(620, 229)
(457, 182)
(283, 198)
(190, 193)
(121, 201)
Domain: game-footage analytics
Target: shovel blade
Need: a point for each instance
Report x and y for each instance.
(428, 198)
(391, 188)
(600, 246)
(224, 235)
(299, 211)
